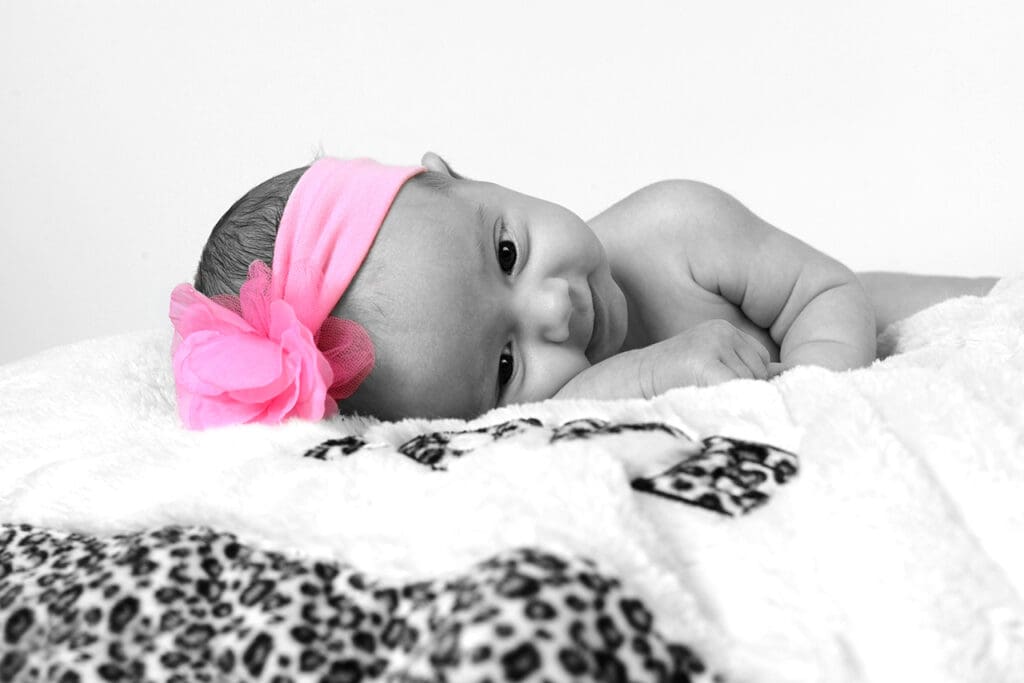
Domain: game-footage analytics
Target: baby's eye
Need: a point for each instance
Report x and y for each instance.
(505, 366)
(506, 256)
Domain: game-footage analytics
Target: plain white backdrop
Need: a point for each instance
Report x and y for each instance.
(885, 133)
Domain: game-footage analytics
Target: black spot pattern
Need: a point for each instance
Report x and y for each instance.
(720, 474)
(278, 619)
(335, 448)
(436, 448)
(728, 476)
(123, 611)
(18, 623)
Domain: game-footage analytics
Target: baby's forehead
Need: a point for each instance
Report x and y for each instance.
(423, 204)
(429, 270)
(450, 376)
(436, 351)
(425, 224)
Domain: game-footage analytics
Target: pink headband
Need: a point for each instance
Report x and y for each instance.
(274, 351)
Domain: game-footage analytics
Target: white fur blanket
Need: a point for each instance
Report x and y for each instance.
(896, 554)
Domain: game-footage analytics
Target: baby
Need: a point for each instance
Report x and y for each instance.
(467, 296)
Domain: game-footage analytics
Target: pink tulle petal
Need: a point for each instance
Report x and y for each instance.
(330, 407)
(310, 403)
(264, 393)
(235, 362)
(314, 372)
(218, 411)
(349, 351)
(185, 378)
(229, 302)
(282, 318)
(254, 297)
(323, 369)
(282, 406)
(192, 312)
(185, 399)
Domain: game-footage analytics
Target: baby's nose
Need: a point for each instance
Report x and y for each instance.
(549, 309)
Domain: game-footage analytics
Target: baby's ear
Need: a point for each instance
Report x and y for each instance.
(434, 162)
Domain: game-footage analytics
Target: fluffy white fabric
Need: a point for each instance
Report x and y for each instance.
(896, 554)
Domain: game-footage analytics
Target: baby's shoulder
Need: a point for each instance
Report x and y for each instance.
(686, 214)
(678, 205)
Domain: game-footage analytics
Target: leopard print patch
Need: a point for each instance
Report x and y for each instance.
(191, 604)
(724, 475)
(728, 476)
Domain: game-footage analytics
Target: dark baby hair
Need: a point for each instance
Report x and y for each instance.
(245, 233)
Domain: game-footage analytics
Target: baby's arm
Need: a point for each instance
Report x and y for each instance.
(895, 296)
(712, 352)
(813, 306)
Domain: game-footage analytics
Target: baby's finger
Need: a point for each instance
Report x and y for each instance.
(752, 360)
(739, 366)
(776, 369)
(758, 347)
(718, 372)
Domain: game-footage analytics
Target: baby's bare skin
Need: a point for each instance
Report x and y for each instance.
(687, 254)
(896, 296)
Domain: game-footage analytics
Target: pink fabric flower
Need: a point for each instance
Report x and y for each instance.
(275, 351)
(250, 359)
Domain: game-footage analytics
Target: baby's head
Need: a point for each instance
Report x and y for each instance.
(472, 295)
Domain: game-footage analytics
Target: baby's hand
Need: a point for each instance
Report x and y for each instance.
(710, 353)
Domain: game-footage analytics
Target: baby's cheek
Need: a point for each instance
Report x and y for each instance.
(547, 371)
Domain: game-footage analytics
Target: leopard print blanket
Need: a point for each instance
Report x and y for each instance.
(197, 604)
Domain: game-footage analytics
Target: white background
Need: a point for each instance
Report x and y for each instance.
(886, 133)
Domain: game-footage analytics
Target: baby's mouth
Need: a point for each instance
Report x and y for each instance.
(597, 319)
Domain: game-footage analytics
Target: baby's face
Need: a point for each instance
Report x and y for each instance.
(488, 297)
